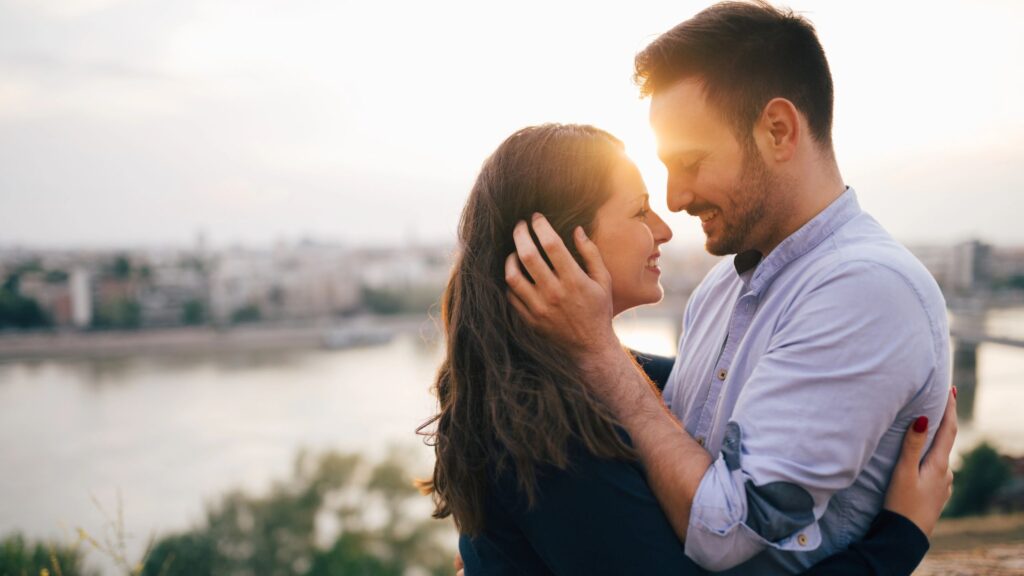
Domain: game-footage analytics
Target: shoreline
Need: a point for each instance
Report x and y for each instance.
(184, 340)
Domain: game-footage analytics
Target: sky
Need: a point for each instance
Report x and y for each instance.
(145, 122)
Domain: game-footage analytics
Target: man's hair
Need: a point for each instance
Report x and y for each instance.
(746, 54)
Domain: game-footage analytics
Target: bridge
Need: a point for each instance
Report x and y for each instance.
(968, 330)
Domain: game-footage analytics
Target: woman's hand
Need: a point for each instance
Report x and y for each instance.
(919, 491)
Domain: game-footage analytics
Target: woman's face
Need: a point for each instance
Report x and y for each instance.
(628, 234)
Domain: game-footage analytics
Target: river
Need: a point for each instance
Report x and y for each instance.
(167, 434)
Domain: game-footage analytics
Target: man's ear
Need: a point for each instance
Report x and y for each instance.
(778, 131)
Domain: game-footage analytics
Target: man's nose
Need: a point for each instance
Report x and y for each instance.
(679, 195)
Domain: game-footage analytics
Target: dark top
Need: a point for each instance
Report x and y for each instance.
(600, 517)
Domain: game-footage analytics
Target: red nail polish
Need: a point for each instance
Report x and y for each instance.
(921, 424)
(954, 392)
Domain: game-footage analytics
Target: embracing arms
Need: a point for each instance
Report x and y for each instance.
(780, 435)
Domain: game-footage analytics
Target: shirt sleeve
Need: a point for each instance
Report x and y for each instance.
(598, 517)
(893, 546)
(849, 355)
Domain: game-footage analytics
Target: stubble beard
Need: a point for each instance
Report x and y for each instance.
(750, 197)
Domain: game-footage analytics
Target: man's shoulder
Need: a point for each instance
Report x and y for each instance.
(864, 249)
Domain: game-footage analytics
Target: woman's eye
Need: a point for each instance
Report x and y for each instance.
(643, 213)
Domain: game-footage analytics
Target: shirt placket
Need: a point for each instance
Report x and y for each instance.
(739, 322)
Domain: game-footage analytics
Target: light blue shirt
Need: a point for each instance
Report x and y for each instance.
(800, 376)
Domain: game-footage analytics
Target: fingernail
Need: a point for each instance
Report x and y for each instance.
(580, 233)
(954, 392)
(536, 215)
(921, 424)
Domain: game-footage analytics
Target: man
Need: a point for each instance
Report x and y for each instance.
(805, 356)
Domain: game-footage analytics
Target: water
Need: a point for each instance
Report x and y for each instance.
(172, 433)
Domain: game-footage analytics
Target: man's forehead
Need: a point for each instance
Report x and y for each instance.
(682, 118)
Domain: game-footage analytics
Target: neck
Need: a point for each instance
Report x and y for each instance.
(807, 193)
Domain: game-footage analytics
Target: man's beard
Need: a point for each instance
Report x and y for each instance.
(750, 200)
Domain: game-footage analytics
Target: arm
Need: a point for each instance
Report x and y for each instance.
(574, 307)
(657, 368)
(596, 517)
(898, 538)
(794, 456)
(819, 406)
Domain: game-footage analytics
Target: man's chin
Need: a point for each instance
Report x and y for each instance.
(717, 247)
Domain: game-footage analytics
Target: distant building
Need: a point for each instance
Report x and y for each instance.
(81, 298)
(52, 295)
(969, 268)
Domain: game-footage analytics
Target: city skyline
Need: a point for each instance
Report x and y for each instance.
(134, 123)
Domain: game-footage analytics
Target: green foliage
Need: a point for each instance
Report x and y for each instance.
(56, 276)
(120, 313)
(194, 313)
(393, 301)
(21, 558)
(278, 533)
(982, 473)
(121, 268)
(248, 313)
(16, 311)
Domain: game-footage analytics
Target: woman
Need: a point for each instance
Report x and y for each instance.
(535, 471)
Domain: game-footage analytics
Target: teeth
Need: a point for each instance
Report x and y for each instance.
(707, 216)
(653, 262)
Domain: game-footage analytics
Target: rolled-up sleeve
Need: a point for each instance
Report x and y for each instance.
(852, 352)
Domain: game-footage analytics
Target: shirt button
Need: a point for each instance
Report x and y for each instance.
(722, 374)
(801, 539)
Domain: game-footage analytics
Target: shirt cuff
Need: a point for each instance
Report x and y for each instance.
(718, 537)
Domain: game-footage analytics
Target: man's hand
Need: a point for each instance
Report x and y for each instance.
(919, 489)
(565, 303)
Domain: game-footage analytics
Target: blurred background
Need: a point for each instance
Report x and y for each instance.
(224, 228)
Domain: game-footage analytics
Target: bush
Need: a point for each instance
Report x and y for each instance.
(21, 558)
(279, 533)
(120, 313)
(981, 475)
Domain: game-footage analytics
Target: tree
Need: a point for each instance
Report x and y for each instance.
(16, 311)
(18, 556)
(277, 534)
(120, 313)
(194, 313)
(982, 473)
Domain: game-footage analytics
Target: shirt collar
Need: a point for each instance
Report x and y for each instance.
(836, 214)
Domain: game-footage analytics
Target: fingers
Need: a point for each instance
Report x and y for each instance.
(913, 446)
(942, 445)
(591, 257)
(458, 561)
(519, 285)
(553, 246)
(530, 256)
(521, 308)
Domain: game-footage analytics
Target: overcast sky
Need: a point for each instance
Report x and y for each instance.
(142, 122)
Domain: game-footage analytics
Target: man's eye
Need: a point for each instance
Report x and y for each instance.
(643, 212)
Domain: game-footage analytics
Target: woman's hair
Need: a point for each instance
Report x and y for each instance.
(508, 396)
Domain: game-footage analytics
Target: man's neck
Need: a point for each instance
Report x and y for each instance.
(810, 194)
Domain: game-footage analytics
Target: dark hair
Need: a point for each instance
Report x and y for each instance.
(745, 54)
(507, 395)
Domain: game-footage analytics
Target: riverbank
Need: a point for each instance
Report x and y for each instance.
(205, 339)
(988, 545)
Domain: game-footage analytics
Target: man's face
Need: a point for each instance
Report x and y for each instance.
(711, 174)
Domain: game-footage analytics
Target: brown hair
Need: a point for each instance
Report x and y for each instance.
(745, 53)
(507, 396)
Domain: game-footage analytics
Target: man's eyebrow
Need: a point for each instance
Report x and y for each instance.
(673, 153)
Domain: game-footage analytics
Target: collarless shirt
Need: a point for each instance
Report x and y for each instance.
(800, 373)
